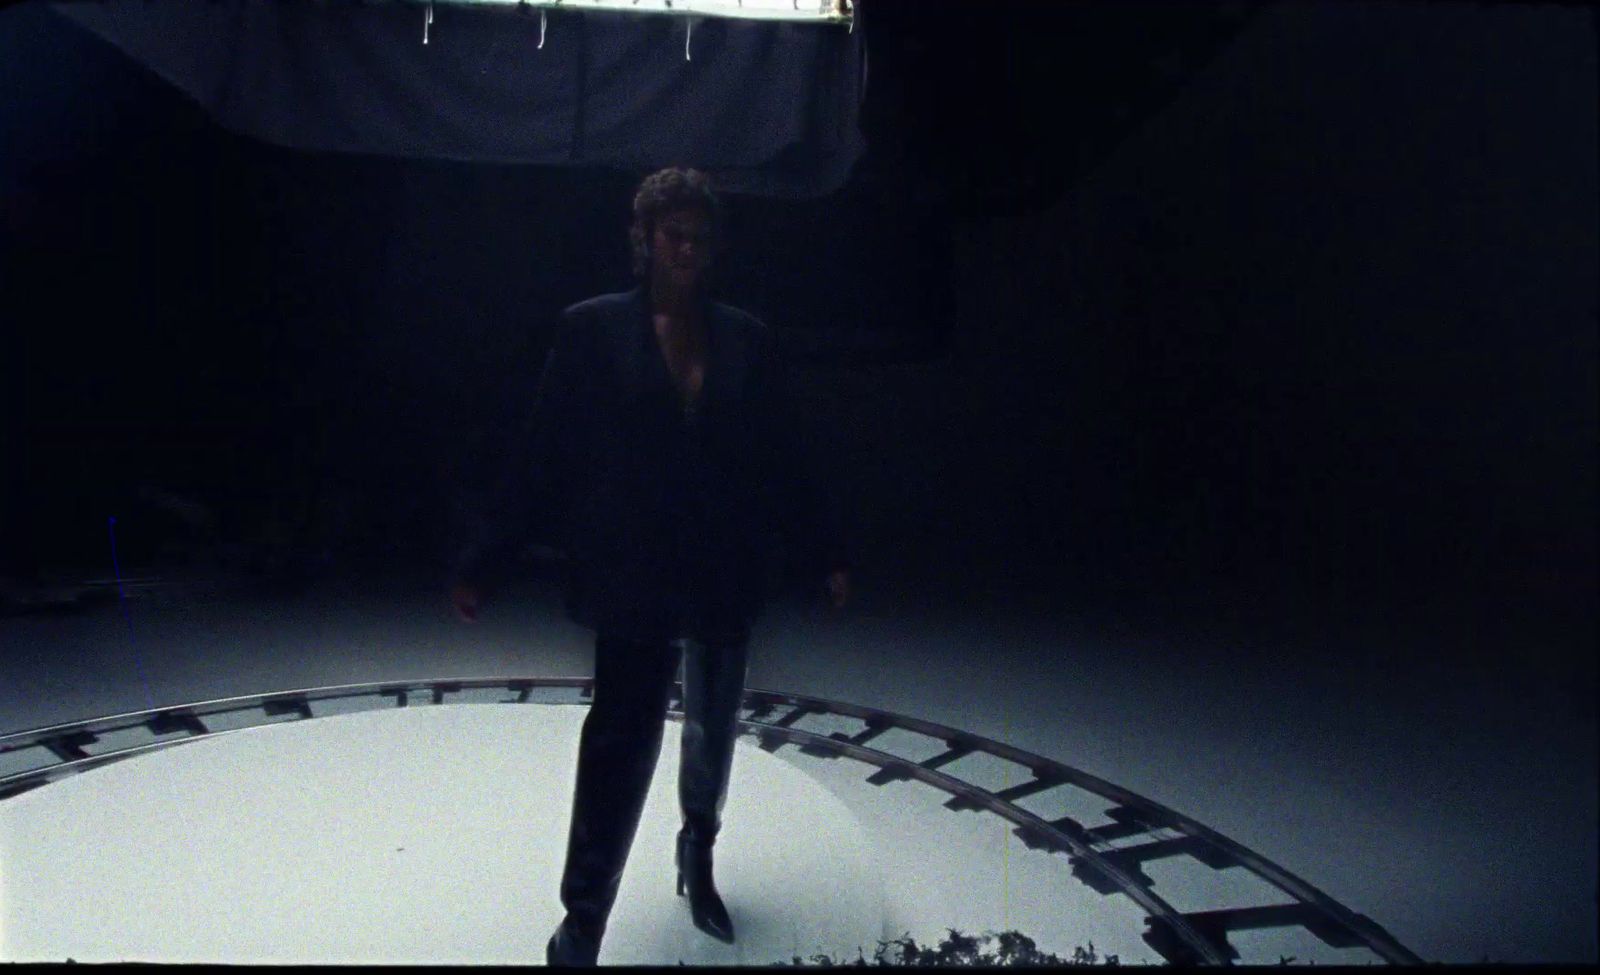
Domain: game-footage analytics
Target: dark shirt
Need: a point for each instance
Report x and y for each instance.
(668, 517)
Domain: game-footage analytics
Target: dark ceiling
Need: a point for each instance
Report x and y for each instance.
(1001, 106)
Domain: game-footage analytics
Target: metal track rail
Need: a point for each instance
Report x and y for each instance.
(1196, 937)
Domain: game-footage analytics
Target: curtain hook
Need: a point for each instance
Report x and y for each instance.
(687, 34)
(426, 21)
(541, 28)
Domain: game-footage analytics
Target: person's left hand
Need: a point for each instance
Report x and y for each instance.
(839, 587)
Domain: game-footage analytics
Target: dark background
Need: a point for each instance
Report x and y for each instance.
(321, 348)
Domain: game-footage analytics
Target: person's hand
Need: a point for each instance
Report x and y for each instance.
(839, 587)
(465, 598)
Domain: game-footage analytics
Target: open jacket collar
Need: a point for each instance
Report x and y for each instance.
(724, 365)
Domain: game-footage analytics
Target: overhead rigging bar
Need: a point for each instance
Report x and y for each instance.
(794, 11)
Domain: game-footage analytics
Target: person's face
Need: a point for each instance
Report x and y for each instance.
(681, 249)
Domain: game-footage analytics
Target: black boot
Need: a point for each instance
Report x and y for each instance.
(573, 946)
(616, 758)
(694, 872)
(713, 686)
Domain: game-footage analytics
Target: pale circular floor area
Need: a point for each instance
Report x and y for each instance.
(427, 835)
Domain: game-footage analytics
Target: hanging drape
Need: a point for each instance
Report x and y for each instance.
(769, 108)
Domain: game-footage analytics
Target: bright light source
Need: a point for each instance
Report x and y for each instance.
(809, 11)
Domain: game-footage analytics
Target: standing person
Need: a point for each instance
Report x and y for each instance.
(660, 450)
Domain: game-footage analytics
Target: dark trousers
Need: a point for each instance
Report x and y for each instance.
(621, 743)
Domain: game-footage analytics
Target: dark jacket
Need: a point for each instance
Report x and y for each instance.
(665, 516)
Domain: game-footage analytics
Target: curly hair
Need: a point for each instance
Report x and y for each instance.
(665, 191)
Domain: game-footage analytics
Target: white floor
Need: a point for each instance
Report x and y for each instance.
(425, 835)
(1456, 809)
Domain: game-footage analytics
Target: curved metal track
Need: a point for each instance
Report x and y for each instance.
(45, 755)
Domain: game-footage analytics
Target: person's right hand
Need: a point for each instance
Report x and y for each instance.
(465, 598)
